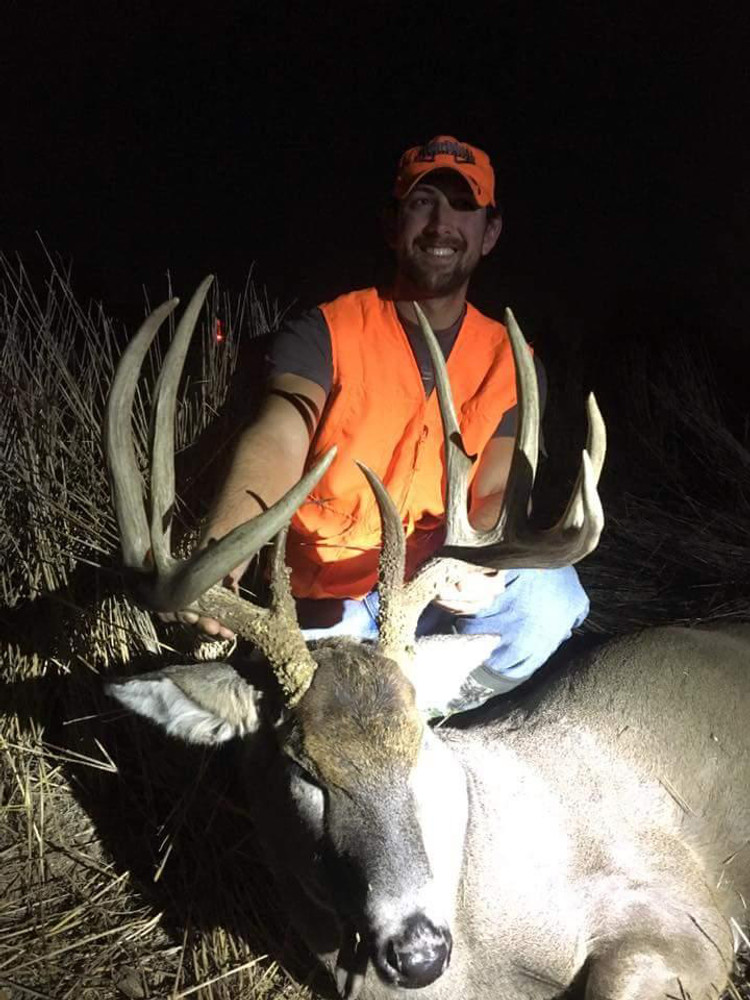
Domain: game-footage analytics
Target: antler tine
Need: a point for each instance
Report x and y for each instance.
(291, 660)
(208, 566)
(391, 566)
(578, 510)
(401, 603)
(176, 585)
(162, 429)
(125, 478)
(596, 436)
(458, 464)
(526, 449)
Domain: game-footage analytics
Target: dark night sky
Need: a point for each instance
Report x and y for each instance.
(138, 142)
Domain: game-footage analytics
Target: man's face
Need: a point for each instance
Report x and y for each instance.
(441, 235)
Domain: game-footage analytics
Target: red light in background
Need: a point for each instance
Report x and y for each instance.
(219, 336)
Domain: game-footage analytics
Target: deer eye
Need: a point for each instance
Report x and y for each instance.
(309, 798)
(301, 773)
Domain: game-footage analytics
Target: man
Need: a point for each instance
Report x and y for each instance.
(355, 372)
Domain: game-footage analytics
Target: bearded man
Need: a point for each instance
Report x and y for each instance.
(355, 372)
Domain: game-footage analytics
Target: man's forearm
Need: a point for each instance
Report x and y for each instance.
(485, 511)
(270, 455)
(490, 482)
(262, 470)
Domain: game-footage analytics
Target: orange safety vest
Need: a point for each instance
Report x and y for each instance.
(377, 413)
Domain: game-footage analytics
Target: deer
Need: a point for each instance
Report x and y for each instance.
(586, 834)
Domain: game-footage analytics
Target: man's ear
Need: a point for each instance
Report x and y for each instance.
(389, 222)
(492, 234)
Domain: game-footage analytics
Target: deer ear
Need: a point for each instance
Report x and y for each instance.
(205, 703)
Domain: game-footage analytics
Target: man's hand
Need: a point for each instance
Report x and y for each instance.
(209, 626)
(476, 590)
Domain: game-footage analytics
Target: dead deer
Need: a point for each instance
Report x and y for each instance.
(591, 828)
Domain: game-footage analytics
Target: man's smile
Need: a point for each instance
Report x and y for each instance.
(437, 250)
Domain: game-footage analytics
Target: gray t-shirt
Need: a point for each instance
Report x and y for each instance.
(302, 346)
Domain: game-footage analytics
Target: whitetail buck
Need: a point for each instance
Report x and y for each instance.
(590, 830)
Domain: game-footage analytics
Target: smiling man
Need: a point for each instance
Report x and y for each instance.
(355, 372)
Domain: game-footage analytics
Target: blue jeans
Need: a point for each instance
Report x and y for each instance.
(531, 618)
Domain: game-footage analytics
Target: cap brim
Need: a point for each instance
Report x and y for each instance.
(435, 169)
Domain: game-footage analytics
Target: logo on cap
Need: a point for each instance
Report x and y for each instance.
(444, 147)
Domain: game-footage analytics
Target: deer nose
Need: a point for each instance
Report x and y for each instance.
(418, 955)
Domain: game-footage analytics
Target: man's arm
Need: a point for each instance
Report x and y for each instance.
(270, 455)
(269, 459)
(490, 481)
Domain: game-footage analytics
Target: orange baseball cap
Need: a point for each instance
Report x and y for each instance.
(444, 152)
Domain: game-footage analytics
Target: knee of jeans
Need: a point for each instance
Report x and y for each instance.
(524, 654)
(527, 641)
(552, 621)
(555, 598)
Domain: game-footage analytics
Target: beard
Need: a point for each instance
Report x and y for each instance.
(435, 278)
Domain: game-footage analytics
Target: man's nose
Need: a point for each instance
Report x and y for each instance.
(441, 216)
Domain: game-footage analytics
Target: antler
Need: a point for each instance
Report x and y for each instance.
(168, 584)
(513, 542)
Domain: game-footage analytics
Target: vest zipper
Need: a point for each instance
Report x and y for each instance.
(404, 505)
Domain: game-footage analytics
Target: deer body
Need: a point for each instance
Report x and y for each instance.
(598, 819)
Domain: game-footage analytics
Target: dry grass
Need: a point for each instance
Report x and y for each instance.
(125, 869)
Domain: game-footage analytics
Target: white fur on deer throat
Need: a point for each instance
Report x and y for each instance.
(438, 785)
(441, 664)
